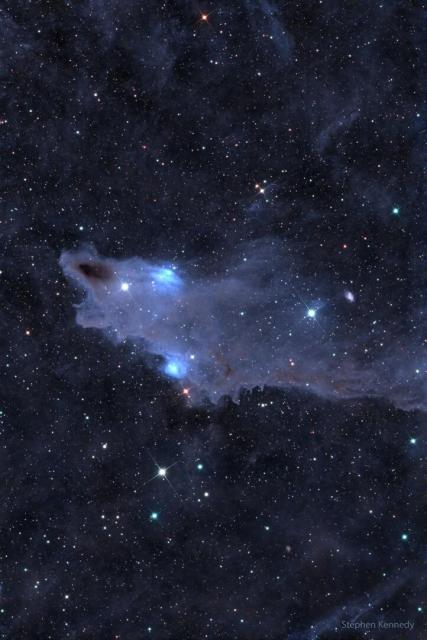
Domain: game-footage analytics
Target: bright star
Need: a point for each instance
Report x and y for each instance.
(124, 286)
(161, 472)
(395, 211)
(311, 313)
(261, 187)
(200, 466)
(413, 441)
(154, 515)
(404, 536)
(348, 295)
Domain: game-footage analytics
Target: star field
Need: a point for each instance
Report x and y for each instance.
(213, 275)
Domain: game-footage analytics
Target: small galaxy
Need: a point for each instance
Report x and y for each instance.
(213, 400)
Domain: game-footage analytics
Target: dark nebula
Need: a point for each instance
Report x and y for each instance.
(94, 271)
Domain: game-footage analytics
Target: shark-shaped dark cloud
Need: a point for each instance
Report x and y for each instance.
(255, 324)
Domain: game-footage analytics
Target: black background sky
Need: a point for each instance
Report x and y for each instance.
(143, 128)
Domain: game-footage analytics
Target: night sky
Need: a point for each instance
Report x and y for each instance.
(213, 321)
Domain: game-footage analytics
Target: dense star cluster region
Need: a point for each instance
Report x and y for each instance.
(214, 335)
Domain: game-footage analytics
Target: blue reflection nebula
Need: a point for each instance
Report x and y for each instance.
(175, 368)
(166, 277)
